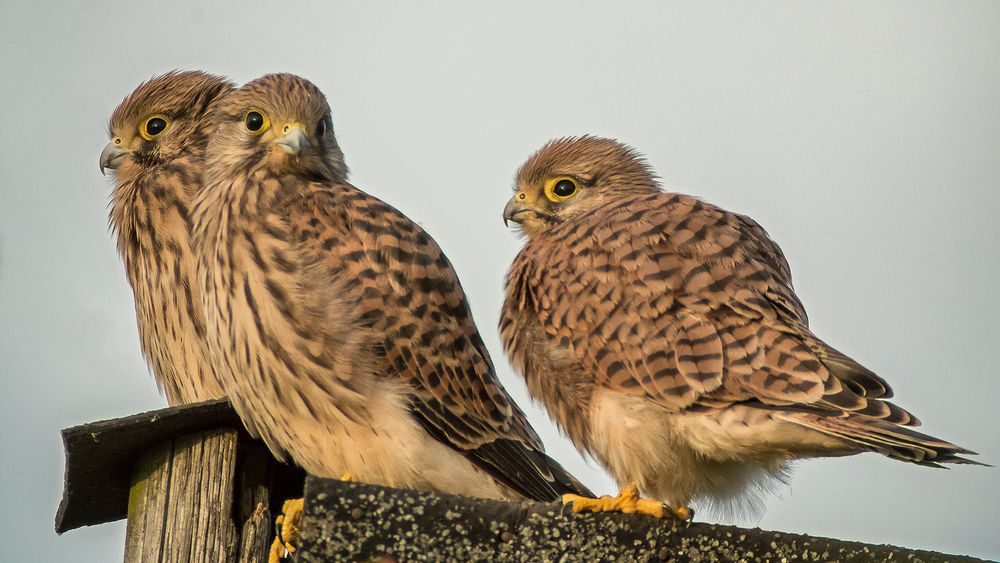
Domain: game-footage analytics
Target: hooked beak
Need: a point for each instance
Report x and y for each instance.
(293, 139)
(515, 211)
(112, 155)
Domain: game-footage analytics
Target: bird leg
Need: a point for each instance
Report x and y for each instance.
(287, 527)
(628, 502)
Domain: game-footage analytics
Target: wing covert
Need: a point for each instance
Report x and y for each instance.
(672, 298)
(425, 337)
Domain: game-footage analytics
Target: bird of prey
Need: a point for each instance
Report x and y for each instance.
(340, 329)
(663, 335)
(158, 136)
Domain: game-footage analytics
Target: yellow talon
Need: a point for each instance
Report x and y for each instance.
(277, 552)
(288, 525)
(627, 502)
(683, 513)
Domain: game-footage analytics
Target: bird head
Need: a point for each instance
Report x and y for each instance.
(281, 123)
(163, 119)
(572, 176)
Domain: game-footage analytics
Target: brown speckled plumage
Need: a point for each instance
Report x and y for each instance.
(155, 182)
(631, 306)
(342, 330)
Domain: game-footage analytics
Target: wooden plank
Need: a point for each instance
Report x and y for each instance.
(345, 521)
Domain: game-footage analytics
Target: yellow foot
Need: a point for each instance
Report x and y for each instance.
(627, 502)
(683, 513)
(288, 527)
(286, 530)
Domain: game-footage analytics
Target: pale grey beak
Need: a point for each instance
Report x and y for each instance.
(293, 139)
(112, 155)
(514, 210)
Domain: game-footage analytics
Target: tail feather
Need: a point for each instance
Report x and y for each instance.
(892, 440)
(860, 390)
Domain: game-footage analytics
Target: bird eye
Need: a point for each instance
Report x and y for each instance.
(153, 126)
(322, 126)
(256, 122)
(561, 188)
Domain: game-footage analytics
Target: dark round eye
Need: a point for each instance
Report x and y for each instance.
(254, 121)
(564, 188)
(153, 126)
(561, 188)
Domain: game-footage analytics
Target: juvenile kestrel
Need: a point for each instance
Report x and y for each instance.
(158, 136)
(340, 330)
(663, 335)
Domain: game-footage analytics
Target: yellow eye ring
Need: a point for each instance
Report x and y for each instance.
(256, 122)
(153, 126)
(561, 188)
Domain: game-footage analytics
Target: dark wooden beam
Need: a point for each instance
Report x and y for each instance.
(359, 522)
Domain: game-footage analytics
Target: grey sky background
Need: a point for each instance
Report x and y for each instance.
(865, 136)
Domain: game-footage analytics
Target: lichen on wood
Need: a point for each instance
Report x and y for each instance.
(358, 522)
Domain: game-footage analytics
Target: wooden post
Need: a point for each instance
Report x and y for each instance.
(193, 485)
(181, 501)
(257, 475)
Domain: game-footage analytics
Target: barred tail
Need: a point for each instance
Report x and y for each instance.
(886, 438)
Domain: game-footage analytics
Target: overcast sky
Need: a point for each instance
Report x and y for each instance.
(864, 136)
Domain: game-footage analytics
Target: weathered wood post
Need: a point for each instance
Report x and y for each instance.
(193, 485)
(181, 499)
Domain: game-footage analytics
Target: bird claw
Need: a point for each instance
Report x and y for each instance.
(286, 530)
(628, 502)
(683, 513)
(287, 527)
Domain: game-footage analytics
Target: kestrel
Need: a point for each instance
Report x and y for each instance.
(663, 335)
(340, 329)
(158, 136)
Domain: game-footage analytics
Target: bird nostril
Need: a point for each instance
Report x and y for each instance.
(118, 141)
(521, 196)
(285, 130)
